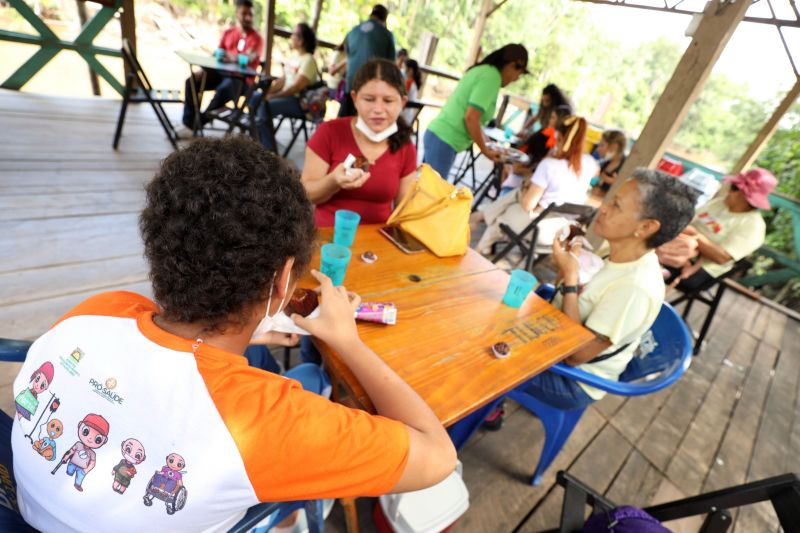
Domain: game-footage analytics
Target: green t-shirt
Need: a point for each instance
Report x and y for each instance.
(478, 88)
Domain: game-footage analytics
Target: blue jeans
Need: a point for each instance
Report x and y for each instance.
(310, 376)
(438, 154)
(558, 391)
(226, 90)
(79, 472)
(309, 352)
(285, 106)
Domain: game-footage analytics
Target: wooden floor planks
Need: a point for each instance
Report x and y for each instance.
(68, 211)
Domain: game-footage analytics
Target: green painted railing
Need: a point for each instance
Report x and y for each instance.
(50, 45)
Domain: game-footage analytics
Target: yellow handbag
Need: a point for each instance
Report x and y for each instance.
(436, 213)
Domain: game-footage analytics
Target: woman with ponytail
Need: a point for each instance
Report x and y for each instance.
(561, 177)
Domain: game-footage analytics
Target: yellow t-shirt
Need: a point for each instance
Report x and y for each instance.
(301, 64)
(739, 234)
(621, 302)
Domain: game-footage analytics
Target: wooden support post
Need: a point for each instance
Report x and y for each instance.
(127, 22)
(475, 48)
(83, 17)
(317, 14)
(749, 157)
(269, 34)
(713, 33)
(427, 49)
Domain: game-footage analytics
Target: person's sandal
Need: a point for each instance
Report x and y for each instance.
(494, 421)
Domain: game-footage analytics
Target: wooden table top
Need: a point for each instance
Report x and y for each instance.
(210, 62)
(446, 325)
(391, 272)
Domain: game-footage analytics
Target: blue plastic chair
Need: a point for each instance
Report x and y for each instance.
(11, 520)
(670, 358)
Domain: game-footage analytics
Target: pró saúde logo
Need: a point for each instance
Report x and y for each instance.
(105, 389)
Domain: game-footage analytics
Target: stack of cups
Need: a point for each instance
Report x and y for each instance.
(336, 255)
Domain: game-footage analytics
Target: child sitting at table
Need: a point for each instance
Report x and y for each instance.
(227, 231)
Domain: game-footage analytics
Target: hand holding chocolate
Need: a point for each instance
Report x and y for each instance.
(303, 302)
(569, 233)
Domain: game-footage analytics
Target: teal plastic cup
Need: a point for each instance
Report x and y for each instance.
(243, 59)
(333, 262)
(219, 53)
(345, 226)
(520, 284)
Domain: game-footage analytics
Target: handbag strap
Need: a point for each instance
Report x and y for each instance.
(608, 355)
(431, 209)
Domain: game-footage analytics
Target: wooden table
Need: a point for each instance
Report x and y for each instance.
(206, 62)
(446, 324)
(449, 315)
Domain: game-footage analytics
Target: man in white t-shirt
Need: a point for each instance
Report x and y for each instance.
(725, 230)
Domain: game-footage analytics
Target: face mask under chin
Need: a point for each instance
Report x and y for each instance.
(269, 323)
(373, 136)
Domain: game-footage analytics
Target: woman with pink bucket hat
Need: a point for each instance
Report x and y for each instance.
(724, 230)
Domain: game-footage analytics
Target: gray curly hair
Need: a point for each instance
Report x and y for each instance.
(666, 199)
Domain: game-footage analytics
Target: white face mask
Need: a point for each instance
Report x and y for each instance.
(277, 321)
(373, 136)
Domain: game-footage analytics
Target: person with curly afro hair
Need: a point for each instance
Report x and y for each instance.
(227, 231)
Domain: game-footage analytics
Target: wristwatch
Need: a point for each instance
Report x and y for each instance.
(567, 289)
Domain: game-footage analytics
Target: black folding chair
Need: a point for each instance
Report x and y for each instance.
(782, 491)
(242, 115)
(704, 295)
(417, 107)
(296, 125)
(526, 239)
(138, 89)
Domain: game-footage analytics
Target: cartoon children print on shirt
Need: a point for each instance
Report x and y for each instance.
(172, 472)
(27, 401)
(46, 446)
(167, 485)
(81, 458)
(132, 455)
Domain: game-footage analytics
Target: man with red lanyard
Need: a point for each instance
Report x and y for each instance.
(241, 39)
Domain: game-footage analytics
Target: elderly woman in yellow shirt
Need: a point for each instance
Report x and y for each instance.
(622, 300)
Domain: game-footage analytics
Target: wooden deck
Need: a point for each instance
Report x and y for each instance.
(68, 209)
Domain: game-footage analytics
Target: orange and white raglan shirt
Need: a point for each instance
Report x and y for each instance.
(130, 428)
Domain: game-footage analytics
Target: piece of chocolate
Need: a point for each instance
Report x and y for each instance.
(570, 232)
(501, 349)
(362, 163)
(303, 302)
(369, 257)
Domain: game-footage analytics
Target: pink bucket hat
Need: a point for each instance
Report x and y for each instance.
(756, 184)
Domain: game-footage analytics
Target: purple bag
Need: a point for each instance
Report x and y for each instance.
(625, 519)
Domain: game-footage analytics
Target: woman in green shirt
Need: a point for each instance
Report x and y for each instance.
(471, 106)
